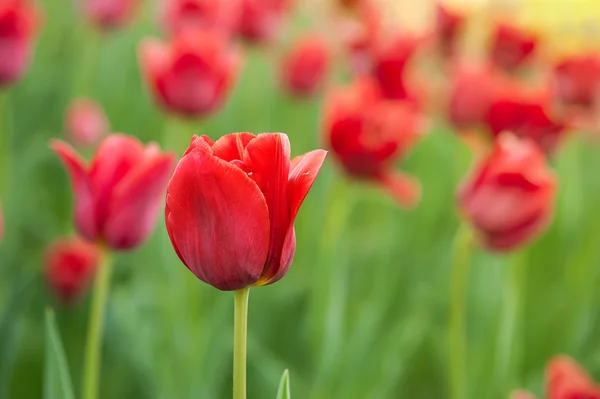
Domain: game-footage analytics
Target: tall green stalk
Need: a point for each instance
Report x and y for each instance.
(93, 349)
(457, 366)
(240, 327)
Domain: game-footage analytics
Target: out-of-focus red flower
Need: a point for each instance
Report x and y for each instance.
(448, 24)
(231, 207)
(108, 14)
(520, 394)
(577, 80)
(222, 16)
(509, 198)
(85, 122)
(70, 265)
(526, 113)
(565, 379)
(511, 46)
(192, 75)
(261, 19)
(360, 36)
(391, 59)
(472, 90)
(368, 133)
(18, 25)
(306, 66)
(118, 195)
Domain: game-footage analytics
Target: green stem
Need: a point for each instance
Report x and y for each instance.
(240, 327)
(91, 370)
(460, 275)
(177, 134)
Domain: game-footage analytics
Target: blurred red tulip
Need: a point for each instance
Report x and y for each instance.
(577, 80)
(18, 25)
(118, 195)
(305, 68)
(448, 24)
(360, 36)
(391, 58)
(192, 75)
(108, 14)
(85, 123)
(526, 113)
(511, 46)
(368, 133)
(261, 19)
(509, 198)
(231, 207)
(472, 90)
(522, 395)
(218, 15)
(565, 379)
(70, 265)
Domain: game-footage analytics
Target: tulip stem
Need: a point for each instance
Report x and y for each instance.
(460, 273)
(240, 327)
(91, 370)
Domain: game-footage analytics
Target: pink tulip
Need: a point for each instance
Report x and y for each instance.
(85, 123)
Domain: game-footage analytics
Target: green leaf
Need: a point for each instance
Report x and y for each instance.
(284, 386)
(57, 382)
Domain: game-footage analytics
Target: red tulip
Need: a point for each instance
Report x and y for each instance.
(261, 19)
(221, 16)
(565, 379)
(18, 25)
(306, 66)
(509, 198)
(526, 114)
(448, 24)
(108, 14)
(85, 123)
(70, 264)
(231, 207)
(391, 59)
(118, 195)
(192, 75)
(577, 80)
(472, 90)
(368, 133)
(512, 46)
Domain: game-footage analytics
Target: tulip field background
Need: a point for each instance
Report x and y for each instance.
(364, 310)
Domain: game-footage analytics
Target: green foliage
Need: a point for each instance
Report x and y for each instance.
(57, 381)
(283, 392)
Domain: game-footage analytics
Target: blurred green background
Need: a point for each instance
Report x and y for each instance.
(363, 312)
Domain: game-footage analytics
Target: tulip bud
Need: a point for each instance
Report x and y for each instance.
(108, 14)
(565, 379)
(231, 207)
(217, 15)
(118, 195)
(448, 26)
(192, 75)
(511, 46)
(18, 25)
(526, 114)
(368, 133)
(391, 59)
(70, 265)
(85, 123)
(306, 66)
(261, 19)
(509, 198)
(577, 81)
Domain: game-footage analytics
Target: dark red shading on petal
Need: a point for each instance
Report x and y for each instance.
(232, 146)
(85, 217)
(218, 221)
(135, 202)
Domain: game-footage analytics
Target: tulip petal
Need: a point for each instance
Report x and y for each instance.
(232, 146)
(154, 57)
(85, 219)
(304, 171)
(405, 189)
(202, 143)
(267, 158)
(218, 220)
(135, 203)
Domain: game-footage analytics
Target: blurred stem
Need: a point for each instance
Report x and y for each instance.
(4, 141)
(88, 62)
(240, 327)
(573, 196)
(457, 330)
(91, 370)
